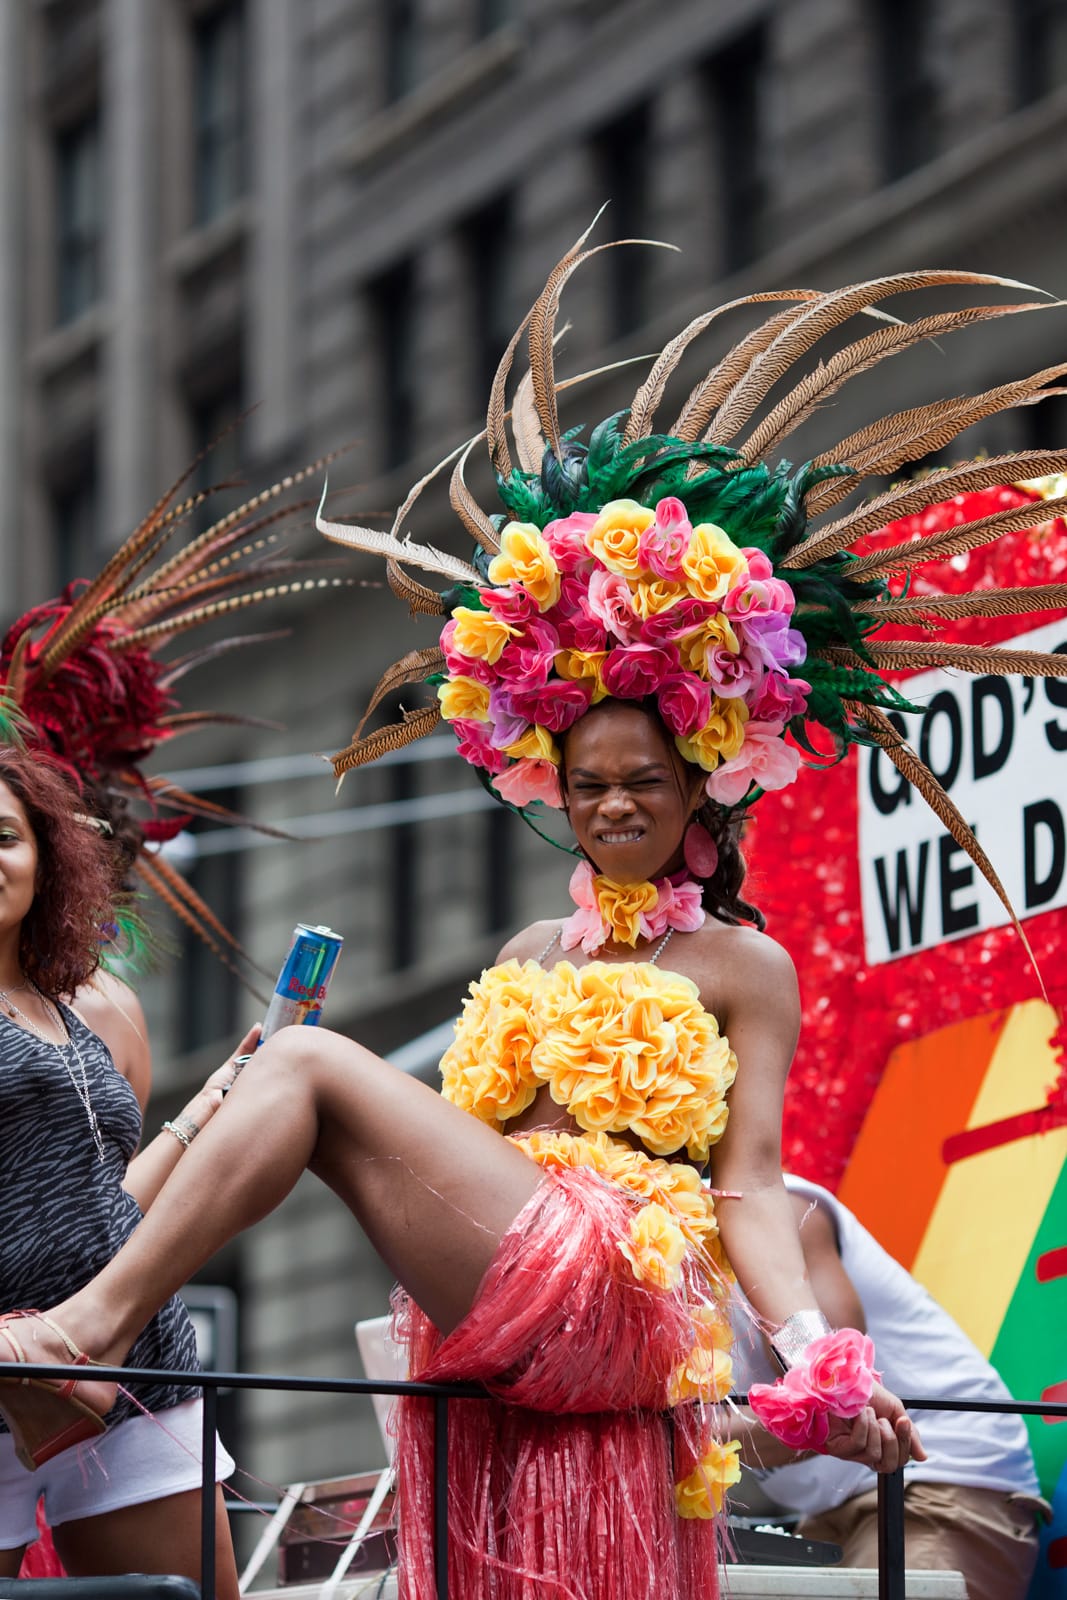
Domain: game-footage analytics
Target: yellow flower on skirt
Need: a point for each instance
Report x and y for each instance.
(655, 1248)
(707, 1373)
(702, 1493)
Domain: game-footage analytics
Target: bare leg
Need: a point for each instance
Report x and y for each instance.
(434, 1189)
(160, 1536)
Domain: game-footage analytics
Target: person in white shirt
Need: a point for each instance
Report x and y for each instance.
(973, 1505)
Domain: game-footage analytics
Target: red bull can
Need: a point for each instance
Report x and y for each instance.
(304, 979)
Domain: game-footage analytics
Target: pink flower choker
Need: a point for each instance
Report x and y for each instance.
(627, 912)
(835, 1378)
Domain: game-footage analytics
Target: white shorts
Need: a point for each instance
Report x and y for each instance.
(141, 1459)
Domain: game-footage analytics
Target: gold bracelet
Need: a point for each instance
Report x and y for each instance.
(183, 1128)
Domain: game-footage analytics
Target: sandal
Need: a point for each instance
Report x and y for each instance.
(44, 1415)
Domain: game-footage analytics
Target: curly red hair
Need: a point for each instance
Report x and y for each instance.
(59, 947)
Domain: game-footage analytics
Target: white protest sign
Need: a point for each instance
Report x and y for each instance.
(999, 747)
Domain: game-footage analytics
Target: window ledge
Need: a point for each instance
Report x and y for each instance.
(200, 246)
(69, 343)
(391, 130)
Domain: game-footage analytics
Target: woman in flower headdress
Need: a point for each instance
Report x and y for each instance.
(634, 640)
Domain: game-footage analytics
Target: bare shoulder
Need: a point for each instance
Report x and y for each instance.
(529, 942)
(112, 1010)
(737, 966)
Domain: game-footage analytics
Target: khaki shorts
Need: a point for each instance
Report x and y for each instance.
(989, 1536)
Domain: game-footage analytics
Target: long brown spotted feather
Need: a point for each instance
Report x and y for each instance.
(383, 741)
(905, 499)
(955, 541)
(419, 600)
(416, 666)
(467, 509)
(222, 608)
(944, 808)
(648, 397)
(812, 323)
(904, 656)
(709, 393)
(861, 356)
(526, 426)
(165, 792)
(187, 906)
(983, 603)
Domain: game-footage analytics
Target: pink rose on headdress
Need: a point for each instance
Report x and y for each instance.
(565, 538)
(526, 781)
(763, 758)
(556, 705)
(574, 621)
(510, 604)
(839, 1371)
(778, 698)
(663, 544)
(474, 744)
(526, 662)
(684, 702)
(609, 601)
(633, 671)
(766, 637)
(787, 1410)
(506, 724)
(682, 618)
(461, 666)
(731, 675)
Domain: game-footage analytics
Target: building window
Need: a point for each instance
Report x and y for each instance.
(735, 79)
(1041, 46)
(392, 316)
(76, 523)
(219, 119)
(489, 15)
(400, 42)
(216, 428)
(488, 239)
(907, 85)
(622, 159)
(79, 218)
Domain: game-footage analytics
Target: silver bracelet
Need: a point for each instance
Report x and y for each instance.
(183, 1128)
(790, 1341)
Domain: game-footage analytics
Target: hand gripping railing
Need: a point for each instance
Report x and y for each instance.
(891, 1553)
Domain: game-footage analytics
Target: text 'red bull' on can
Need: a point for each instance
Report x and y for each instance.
(304, 979)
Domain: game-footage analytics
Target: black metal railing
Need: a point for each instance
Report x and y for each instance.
(891, 1551)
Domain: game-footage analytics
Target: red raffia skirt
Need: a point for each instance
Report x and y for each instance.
(561, 1487)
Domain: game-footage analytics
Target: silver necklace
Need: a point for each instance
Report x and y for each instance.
(80, 1079)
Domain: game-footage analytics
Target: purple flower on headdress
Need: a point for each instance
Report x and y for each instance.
(634, 671)
(474, 744)
(664, 543)
(461, 666)
(609, 601)
(684, 702)
(556, 705)
(565, 538)
(526, 662)
(767, 638)
(506, 725)
(777, 699)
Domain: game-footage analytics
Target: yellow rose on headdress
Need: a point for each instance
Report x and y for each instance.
(480, 634)
(587, 664)
(707, 1373)
(655, 1248)
(715, 633)
(536, 744)
(719, 739)
(653, 595)
(526, 559)
(616, 534)
(464, 697)
(703, 1492)
(712, 563)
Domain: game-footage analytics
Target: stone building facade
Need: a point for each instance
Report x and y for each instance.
(323, 218)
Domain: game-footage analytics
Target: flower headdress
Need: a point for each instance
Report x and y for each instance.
(685, 567)
(82, 676)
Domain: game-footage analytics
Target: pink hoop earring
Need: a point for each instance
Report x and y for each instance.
(700, 851)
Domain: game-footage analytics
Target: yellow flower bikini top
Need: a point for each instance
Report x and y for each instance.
(623, 1047)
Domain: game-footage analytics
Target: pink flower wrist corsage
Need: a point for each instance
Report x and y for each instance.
(835, 1378)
